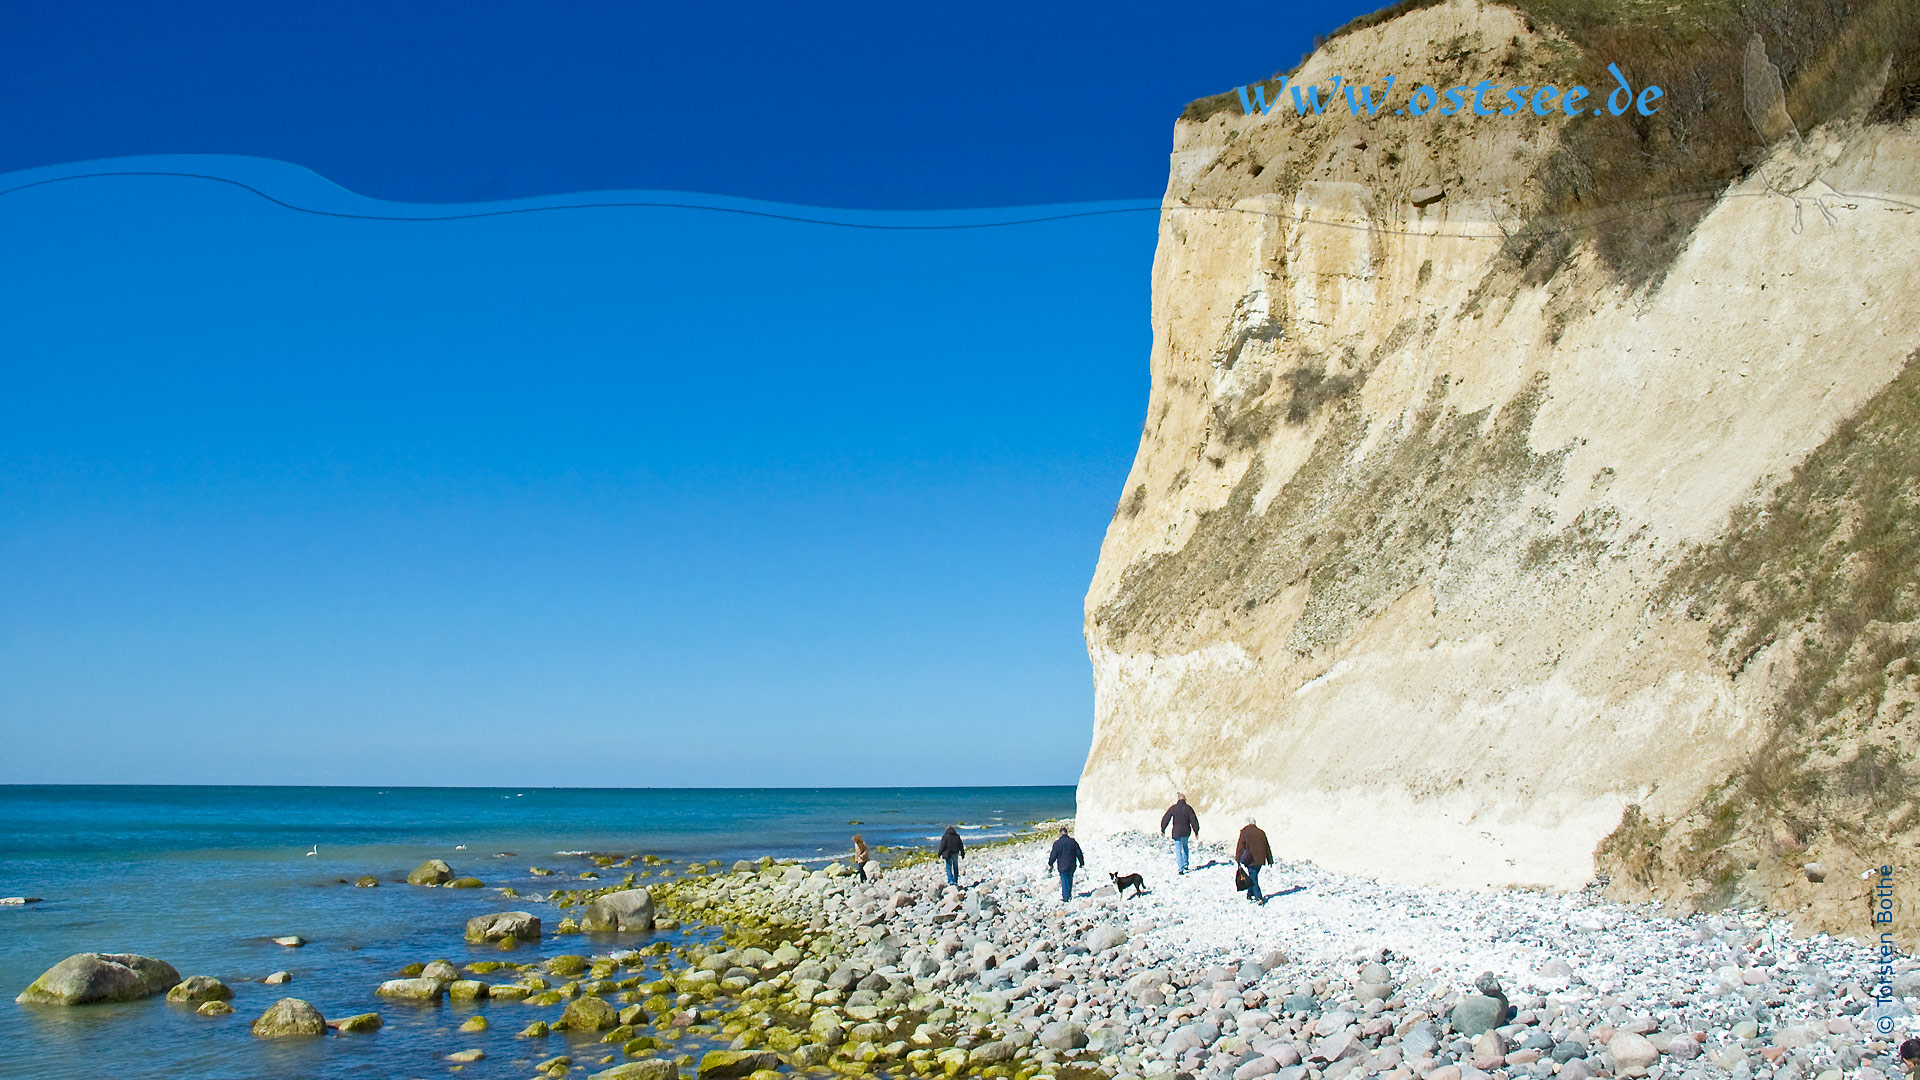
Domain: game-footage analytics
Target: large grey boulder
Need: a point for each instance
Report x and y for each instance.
(431, 872)
(1063, 1035)
(92, 978)
(1478, 1013)
(289, 1017)
(631, 909)
(515, 925)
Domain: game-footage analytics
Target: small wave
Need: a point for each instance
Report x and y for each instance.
(573, 853)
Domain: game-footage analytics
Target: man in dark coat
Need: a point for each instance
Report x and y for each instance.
(1252, 853)
(951, 849)
(1066, 854)
(1185, 823)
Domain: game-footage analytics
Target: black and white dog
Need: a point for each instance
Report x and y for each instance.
(1123, 882)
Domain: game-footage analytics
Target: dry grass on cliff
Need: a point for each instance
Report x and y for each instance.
(1634, 188)
(1819, 576)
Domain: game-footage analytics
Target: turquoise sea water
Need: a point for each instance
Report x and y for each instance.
(203, 877)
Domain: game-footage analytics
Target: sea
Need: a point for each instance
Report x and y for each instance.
(205, 877)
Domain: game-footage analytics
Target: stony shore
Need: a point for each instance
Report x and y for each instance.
(781, 968)
(1333, 977)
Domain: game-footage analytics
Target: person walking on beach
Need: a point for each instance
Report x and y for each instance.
(1066, 854)
(1185, 824)
(1252, 853)
(951, 848)
(861, 855)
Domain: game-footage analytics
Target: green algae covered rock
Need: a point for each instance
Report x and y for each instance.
(290, 1018)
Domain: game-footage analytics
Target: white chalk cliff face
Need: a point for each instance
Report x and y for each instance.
(1436, 569)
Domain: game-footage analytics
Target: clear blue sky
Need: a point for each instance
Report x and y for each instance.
(858, 103)
(618, 496)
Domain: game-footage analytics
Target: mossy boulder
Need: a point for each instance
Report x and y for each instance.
(431, 872)
(442, 970)
(466, 989)
(358, 1024)
(215, 1008)
(466, 883)
(474, 1024)
(651, 1069)
(734, 1064)
(590, 1014)
(366, 881)
(566, 965)
(195, 989)
(536, 1030)
(290, 1018)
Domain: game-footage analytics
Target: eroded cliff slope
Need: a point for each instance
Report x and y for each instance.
(1467, 543)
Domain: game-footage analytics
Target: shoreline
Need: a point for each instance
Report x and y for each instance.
(1333, 974)
(783, 968)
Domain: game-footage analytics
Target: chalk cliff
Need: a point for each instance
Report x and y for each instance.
(1483, 534)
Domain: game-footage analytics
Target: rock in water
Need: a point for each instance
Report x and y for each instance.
(291, 941)
(412, 989)
(288, 1018)
(92, 978)
(651, 1069)
(514, 925)
(215, 1008)
(366, 881)
(278, 977)
(631, 909)
(431, 872)
(590, 1014)
(724, 1064)
(358, 1025)
(195, 989)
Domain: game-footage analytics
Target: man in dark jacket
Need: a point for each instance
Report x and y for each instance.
(1252, 853)
(1066, 854)
(1185, 823)
(951, 849)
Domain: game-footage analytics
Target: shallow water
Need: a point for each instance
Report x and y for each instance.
(204, 877)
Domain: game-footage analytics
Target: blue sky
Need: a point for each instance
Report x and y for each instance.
(601, 497)
(861, 103)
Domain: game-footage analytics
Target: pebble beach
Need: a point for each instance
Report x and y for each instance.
(1332, 977)
(774, 968)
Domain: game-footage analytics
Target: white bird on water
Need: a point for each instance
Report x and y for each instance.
(315, 851)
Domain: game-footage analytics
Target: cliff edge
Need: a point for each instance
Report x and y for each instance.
(1516, 506)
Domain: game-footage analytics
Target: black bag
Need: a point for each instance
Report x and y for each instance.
(1240, 879)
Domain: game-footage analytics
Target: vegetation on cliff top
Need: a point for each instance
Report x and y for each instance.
(1834, 57)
